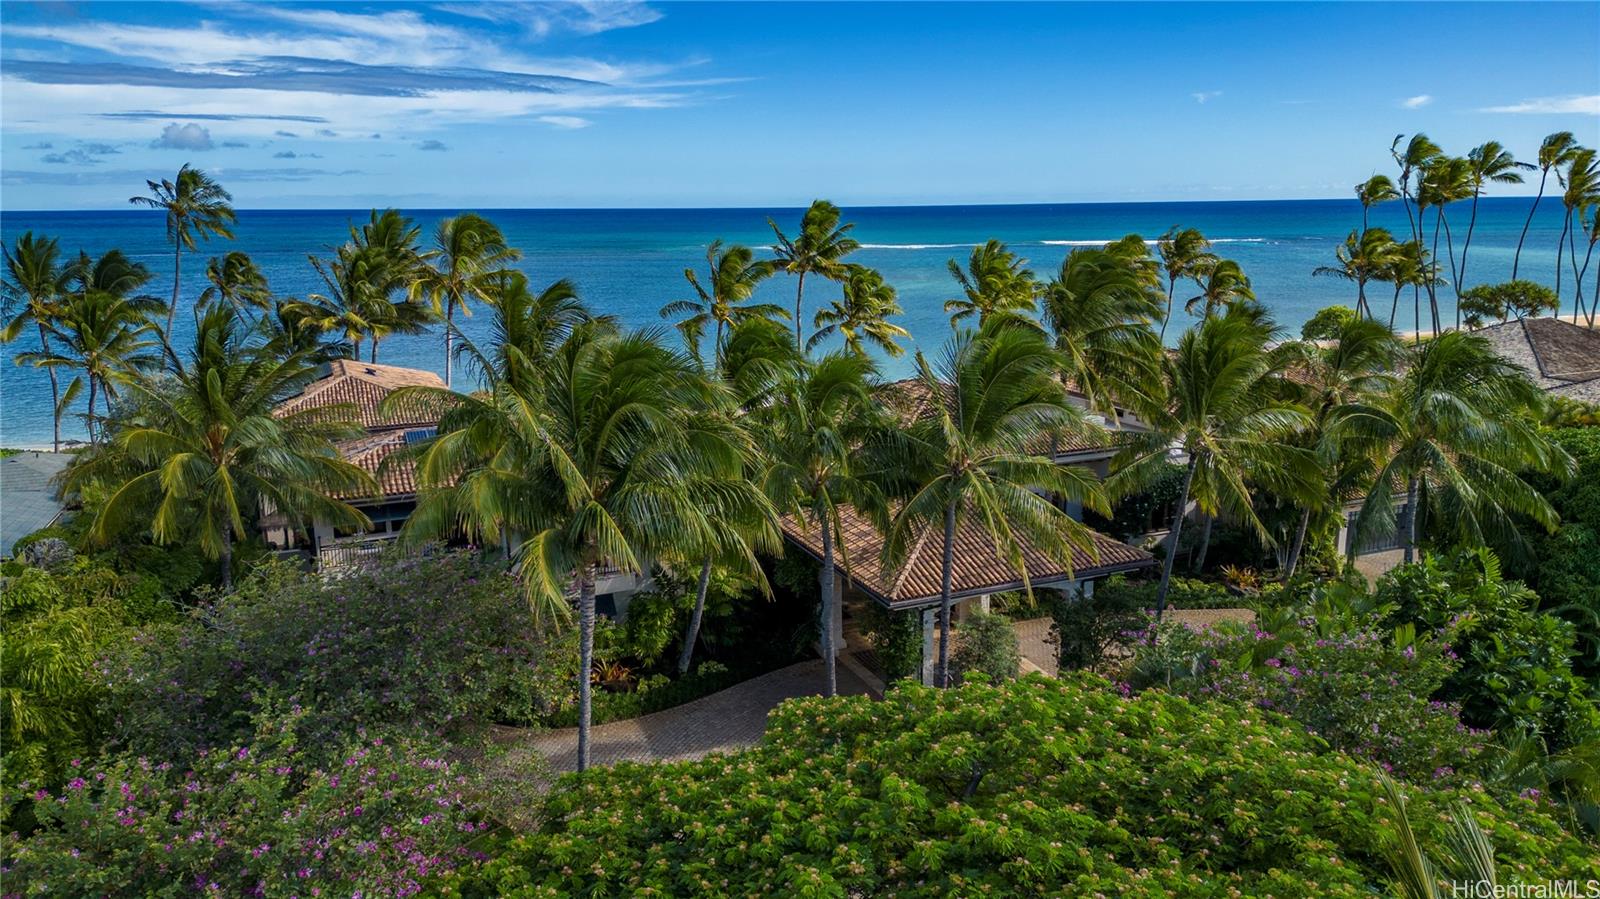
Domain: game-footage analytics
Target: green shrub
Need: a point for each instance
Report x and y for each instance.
(440, 644)
(1516, 670)
(653, 694)
(386, 817)
(1035, 787)
(651, 625)
(987, 645)
(897, 639)
(1089, 629)
(1328, 323)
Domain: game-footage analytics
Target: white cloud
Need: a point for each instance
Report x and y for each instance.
(566, 121)
(183, 137)
(1417, 102)
(1203, 96)
(1577, 104)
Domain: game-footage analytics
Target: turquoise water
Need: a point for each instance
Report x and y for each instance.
(630, 262)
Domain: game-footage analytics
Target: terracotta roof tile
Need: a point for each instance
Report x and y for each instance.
(363, 386)
(910, 399)
(398, 478)
(977, 567)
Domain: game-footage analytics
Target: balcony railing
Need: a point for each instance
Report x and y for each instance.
(333, 557)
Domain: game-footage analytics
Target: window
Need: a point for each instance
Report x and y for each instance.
(417, 435)
(1377, 541)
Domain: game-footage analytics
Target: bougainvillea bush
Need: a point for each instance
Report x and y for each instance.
(1366, 693)
(386, 817)
(434, 643)
(1033, 787)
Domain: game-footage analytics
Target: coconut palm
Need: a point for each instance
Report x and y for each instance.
(1222, 408)
(861, 315)
(468, 253)
(733, 275)
(1444, 180)
(817, 421)
(1102, 318)
(818, 248)
(35, 283)
(1590, 220)
(1371, 192)
(1351, 367)
(1364, 256)
(196, 207)
(527, 328)
(1452, 436)
(996, 281)
(992, 392)
(603, 464)
(1488, 162)
(1185, 254)
(1409, 266)
(1554, 152)
(1468, 856)
(1580, 185)
(1418, 154)
(103, 336)
(366, 283)
(208, 450)
(1222, 284)
(235, 280)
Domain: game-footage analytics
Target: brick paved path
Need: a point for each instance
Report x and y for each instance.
(731, 719)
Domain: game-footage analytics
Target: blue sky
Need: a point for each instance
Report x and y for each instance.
(737, 104)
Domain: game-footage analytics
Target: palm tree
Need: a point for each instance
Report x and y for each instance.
(527, 328)
(1354, 366)
(734, 275)
(379, 262)
(1222, 284)
(196, 207)
(1469, 857)
(1554, 151)
(1371, 192)
(1364, 256)
(1489, 162)
(35, 282)
(818, 248)
(992, 393)
(1102, 318)
(468, 252)
(996, 281)
(861, 314)
(103, 336)
(1451, 433)
(601, 465)
(1580, 189)
(1222, 409)
(1184, 254)
(1590, 220)
(208, 449)
(815, 424)
(236, 281)
(1419, 153)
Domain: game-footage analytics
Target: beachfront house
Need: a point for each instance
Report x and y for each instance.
(359, 390)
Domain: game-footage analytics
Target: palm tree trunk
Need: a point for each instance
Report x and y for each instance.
(585, 660)
(1410, 526)
(1455, 279)
(1172, 286)
(947, 570)
(1298, 545)
(1467, 245)
(1205, 544)
(55, 387)
(1172, 539)
(1561, 244)
(172, 310)
(1361, 299)
(1394, 305)
(1433, 279)
(799, 296)
(693, 633)
(225, 559)
(1577, 277)
(827, 582)
(374, 359)
(449, 337)
(1517, 259)
(94, 439)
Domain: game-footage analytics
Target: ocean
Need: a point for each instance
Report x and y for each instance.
(630, 262)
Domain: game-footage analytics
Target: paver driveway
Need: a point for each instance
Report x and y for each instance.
(732, 719)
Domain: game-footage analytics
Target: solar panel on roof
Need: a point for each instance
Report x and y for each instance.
(417, 435)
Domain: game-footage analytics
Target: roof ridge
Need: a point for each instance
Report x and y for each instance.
(1533, 348)
(907, 566)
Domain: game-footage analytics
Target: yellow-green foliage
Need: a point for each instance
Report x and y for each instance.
(1034, 787)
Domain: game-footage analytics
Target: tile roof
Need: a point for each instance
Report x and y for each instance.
(28, 498)
(363, 386)
(398, 478)
(909, 399)
(977, 568)
(1561, 357)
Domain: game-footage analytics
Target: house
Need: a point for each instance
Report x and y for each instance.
(358, 390)
(29, 501)
(1562, 358)
(915, 586)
